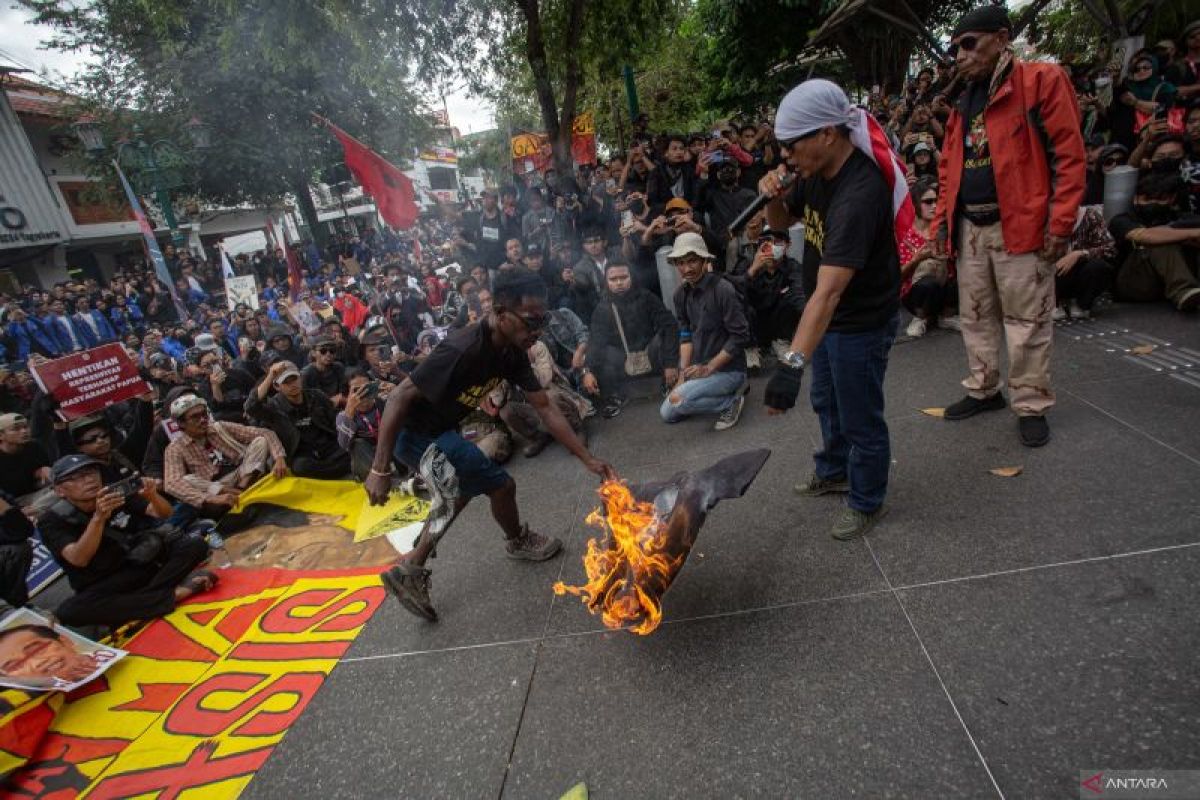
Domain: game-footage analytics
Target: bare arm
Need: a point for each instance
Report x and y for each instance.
(561, 430)
(818, 311)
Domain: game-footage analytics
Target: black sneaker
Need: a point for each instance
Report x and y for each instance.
(409, 584)
(613, 406)
(730, 416)
(532, 546)
(1035, 431)
(969, 406)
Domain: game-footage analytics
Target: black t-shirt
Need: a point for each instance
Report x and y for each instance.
(314, 440)
(17, 469)
(459, 373)
(978, 186)
(848, 222)
(331, 382)
(59, 531)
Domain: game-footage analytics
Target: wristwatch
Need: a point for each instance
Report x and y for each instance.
(793, 359)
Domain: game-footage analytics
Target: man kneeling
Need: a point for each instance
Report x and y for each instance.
(121, 563)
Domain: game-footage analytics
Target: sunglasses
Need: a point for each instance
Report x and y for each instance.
(789, 143)
(967, 43)
(94, 438)
(929, 201)
(535, 322)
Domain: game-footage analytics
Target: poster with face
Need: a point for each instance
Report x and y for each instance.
(241, 289)
(37, 655)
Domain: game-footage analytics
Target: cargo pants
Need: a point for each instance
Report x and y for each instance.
(1008, 299)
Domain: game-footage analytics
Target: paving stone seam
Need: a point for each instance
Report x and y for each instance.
(1133, 427)
(933, 667)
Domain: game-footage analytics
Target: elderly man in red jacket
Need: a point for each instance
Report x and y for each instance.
(1006, 212)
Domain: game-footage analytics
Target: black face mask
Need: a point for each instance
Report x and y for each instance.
(1167, 165)
(1155, 213)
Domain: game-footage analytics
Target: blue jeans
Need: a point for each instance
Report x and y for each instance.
(847, 394)
(477, 474)
(711, 395)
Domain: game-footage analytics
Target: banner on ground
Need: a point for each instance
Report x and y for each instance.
(37, 655)
(86, 382)
(202, 698)
(241, 289)
(532, 151)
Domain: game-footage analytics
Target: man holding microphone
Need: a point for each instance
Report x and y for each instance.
(849, 204)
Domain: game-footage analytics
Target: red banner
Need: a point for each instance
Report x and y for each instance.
(84, 383)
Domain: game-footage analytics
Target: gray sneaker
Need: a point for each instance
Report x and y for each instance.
(409, 584)
(730, 416)
(532, 546)
(851, 524)
(818, 486)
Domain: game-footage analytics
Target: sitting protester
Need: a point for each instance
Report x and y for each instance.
(223, 386)
(927, 287)
(1086, 271)
(633, 335)
(1153, 262)
(522, 418)
(305, 420)
(773, 288)
(713, 335)
(123, 564)
(24, 464)
(325, 373)
(358, 422)
(211, 462)
(16, 553)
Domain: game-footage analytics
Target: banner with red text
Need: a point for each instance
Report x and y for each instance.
(202, 698)
(84, 383)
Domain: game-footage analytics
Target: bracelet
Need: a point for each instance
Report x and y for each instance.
(387, 474)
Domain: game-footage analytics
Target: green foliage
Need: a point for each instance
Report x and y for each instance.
(253, 70)
(1068, 32)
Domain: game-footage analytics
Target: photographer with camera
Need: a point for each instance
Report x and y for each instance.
(120, 560)
(358, 423)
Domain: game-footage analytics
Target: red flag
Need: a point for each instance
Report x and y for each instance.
(870, 138)
(295, 276)
(391, 188)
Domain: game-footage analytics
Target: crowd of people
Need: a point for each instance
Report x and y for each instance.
(298, 382)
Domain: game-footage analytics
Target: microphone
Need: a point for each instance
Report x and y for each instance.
(736, 226)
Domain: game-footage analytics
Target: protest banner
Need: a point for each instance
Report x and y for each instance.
(241, 289)
(84, 383)
(37, 655)
(303, 315)
(43, 569)
(202, 698)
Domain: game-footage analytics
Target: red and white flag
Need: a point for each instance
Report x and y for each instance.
(869, 137)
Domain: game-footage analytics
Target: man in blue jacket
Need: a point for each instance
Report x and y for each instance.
(92, 327)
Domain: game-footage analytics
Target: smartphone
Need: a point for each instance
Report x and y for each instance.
(371, 390)
(626, 219)
(127, 487)
(717, 157)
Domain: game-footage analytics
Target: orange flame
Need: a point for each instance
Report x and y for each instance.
(627, 570)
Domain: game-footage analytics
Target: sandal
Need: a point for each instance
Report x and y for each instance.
(200, 581)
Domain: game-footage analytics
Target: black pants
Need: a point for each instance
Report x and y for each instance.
(137, 591)
(927, 298)
(775, 322)
(1088, 280)
(15, 560)
(325, 467)
(610, 369)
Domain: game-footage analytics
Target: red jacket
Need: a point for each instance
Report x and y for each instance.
(1032, 122)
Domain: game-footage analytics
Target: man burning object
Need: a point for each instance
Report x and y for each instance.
(649, 530)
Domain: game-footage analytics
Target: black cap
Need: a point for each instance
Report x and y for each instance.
(983, 20)
(533, 250)
(69, 465)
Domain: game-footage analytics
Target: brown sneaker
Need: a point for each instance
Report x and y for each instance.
(409, 584)
(532, 546)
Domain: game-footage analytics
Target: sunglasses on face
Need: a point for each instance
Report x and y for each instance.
(929, 201)
(967, 43)
(535, 322)
(789, 143)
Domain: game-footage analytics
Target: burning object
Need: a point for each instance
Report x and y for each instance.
(649, 529)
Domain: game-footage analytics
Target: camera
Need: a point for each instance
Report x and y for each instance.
(127, 487)
(371, 390)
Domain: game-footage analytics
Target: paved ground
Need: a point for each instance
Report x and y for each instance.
(993, 637)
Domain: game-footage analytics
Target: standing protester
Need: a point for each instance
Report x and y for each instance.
(852, 281)
(427, 407)
(1007, 213)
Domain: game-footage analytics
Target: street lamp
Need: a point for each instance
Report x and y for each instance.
(153, 167)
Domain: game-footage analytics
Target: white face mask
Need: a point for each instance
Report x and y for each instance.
(777, 251)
